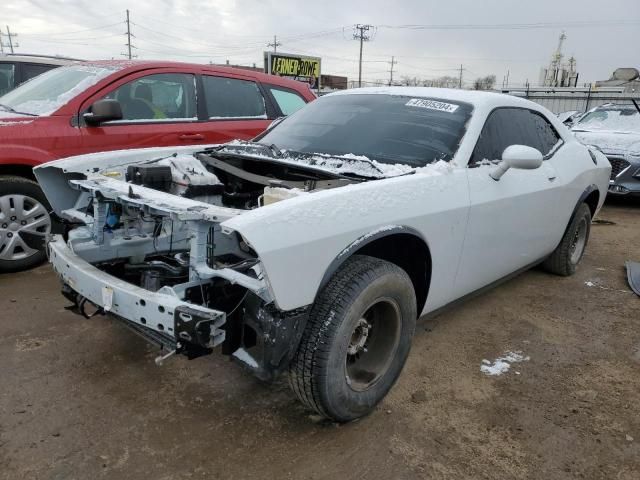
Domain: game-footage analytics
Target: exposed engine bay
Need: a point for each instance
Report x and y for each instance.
(229, 180)
(174, 247)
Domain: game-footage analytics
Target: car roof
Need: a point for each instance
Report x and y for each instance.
(136, 65)
(473, 97)
(41, 59)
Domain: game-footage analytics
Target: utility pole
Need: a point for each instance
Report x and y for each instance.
(275, 44)
(392, 62)
(129, 35)
(363, 36)
(460, 81)
(10, 44)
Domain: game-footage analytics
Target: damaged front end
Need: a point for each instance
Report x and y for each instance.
(161, 260)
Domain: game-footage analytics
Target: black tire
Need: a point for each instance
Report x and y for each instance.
(357, 339)
(9, 186)
(566, 257)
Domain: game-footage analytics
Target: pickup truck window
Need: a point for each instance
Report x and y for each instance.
(161, 97)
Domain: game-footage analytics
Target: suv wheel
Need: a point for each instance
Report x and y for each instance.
(24, 221)
(357, 339)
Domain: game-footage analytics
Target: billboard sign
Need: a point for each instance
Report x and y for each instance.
(298, 67)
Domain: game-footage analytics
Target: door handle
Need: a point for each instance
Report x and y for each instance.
(191, 137)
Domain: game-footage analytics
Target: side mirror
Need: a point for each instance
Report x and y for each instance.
(517, 156)
(104, 110)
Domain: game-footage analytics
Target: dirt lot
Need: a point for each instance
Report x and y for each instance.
(83, 399)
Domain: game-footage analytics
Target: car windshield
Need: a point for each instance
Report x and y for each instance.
(390, 129)
(48, 92)
(611, 119)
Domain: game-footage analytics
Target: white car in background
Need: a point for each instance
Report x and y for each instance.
(313, 249)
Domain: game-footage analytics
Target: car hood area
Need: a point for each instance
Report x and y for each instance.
(610, 142)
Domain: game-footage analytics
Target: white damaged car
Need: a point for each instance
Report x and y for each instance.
(313, 249)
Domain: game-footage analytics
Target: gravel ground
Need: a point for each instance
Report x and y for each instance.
(83, 399)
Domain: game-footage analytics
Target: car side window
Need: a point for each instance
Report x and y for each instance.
(160, 97)
(513, 126)
(7, 77)
(288, 101)
(228, 98)
(31, 70)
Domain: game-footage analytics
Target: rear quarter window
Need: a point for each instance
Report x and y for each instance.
(288, 101)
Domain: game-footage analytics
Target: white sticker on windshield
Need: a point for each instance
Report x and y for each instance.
(432, 105)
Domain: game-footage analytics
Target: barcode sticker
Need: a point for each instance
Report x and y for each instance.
(432, 105)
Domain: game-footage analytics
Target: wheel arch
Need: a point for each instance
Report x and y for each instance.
(397, 244)
(17, 170)
(590, 196)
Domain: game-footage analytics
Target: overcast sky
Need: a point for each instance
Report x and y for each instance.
(601, 35)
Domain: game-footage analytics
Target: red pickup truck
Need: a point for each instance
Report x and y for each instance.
(112, 105)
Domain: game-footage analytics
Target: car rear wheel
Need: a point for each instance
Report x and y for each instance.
(24, 222)
(356, 341)
(566, 257)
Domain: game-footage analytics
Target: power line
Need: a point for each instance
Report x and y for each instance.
(518, 26)
(72, 33)
(363, 36)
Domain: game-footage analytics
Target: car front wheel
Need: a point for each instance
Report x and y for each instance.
(566, 257)
(357, 339)
(24, 222)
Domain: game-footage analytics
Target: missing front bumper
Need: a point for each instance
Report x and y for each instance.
(161, 317)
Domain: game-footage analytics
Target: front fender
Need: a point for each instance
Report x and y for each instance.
(298, 240)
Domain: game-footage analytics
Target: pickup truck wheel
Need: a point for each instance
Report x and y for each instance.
(356, 340)
(24, 216)
(566, 257)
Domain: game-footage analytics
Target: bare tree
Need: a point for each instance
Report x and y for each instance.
(485, 83)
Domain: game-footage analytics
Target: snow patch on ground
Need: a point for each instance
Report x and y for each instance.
(502, 364)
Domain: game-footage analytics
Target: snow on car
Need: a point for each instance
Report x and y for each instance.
(313, 249)
(615, 130)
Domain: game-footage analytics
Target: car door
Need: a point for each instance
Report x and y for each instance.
(235, 108)
(159, 109)
(513, 222)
